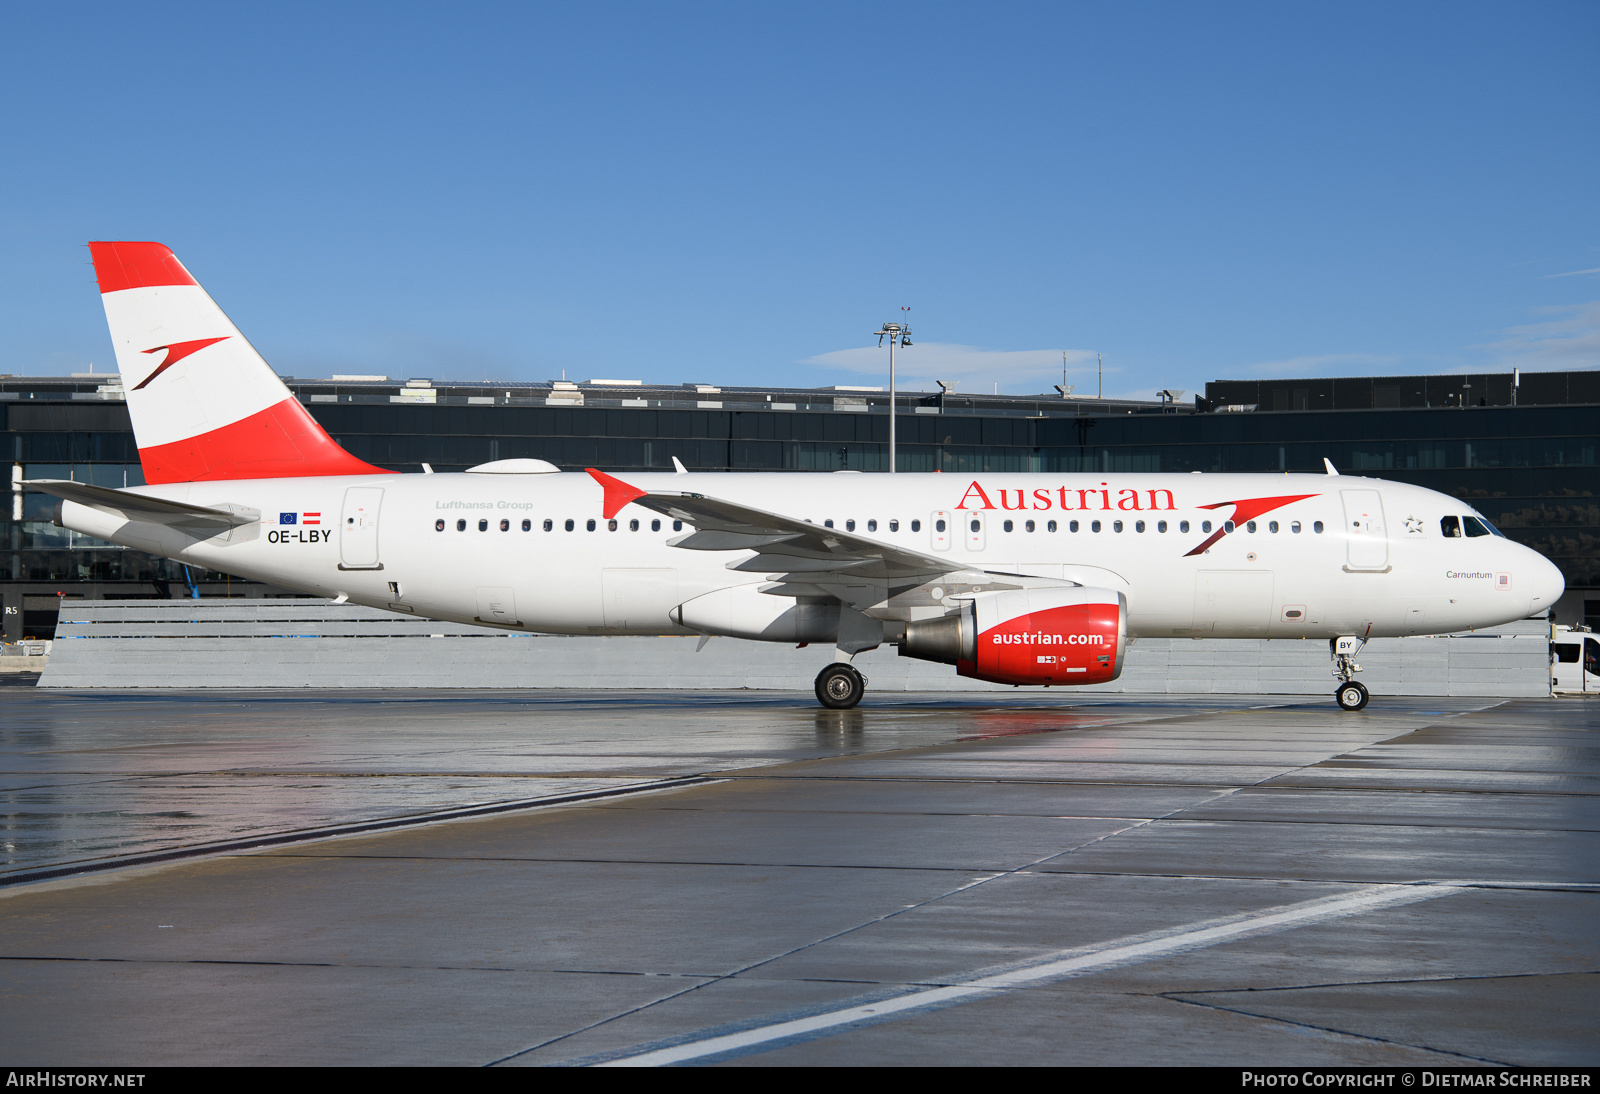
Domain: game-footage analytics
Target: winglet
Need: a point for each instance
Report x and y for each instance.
(618, 493)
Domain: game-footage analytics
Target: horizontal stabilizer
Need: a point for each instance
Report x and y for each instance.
(142, 507)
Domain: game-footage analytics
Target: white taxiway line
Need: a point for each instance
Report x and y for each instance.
(1062, 963)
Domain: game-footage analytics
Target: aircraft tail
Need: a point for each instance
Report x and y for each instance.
(204, 404)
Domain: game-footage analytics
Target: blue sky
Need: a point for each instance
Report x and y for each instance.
(739, 193)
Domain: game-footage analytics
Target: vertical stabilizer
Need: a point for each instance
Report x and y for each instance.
(203, 402)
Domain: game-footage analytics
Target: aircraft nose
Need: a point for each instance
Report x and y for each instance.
(1547, 583)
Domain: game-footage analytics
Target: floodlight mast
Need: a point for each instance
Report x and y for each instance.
(901, 333)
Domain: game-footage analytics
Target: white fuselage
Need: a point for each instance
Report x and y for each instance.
(1355, 556)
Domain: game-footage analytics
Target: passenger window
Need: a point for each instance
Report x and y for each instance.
(1227, 526)
(827, 524)
(1116, 526)
(1094, 526)
(1316, 527)
(1028, 525)
(569, 524)
(633, 526)
(1474, 527)
(1007, 526)
(1205, 526)
(894, 526)
(461, 526)
(1295, 528)
(975, 525)
(1183, 526)
(483, 526)
(505, 526)
(1072, 526)
(655, 526)
(1250, 526)
(611, 526)
(589, 524)
(549, 524)
(1161, 526)
(1050, 526)
(1451, 527)
(527, 525)
(438, 526)
(1138, 526)
(916, 526)
(849, 526)
(872, 525)
(677, 526)
(938, 526)
(1273, 527)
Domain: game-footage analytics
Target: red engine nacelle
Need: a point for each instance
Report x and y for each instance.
(1029, 636)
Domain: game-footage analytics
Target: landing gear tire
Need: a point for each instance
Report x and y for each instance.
(840, 687)
(1351, 695)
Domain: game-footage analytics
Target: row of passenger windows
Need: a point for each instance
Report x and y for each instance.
(550, 525)
(916, 526)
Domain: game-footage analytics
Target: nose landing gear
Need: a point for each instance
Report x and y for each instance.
(840, 686)
(1350, 694)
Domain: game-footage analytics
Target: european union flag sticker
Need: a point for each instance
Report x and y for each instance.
(286, 518)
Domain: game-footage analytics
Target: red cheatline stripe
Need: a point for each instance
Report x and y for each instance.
(136, 266)
(281, 442)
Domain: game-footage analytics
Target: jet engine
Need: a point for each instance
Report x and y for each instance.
(1029, 636)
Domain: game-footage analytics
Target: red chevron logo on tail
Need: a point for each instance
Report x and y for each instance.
(176, 352)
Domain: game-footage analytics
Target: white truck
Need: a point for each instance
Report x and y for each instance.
(1574, 661)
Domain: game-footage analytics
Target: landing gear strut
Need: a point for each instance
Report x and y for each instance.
(1350, 694)
(840, 686)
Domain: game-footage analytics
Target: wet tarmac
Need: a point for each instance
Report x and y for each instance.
(744, 879)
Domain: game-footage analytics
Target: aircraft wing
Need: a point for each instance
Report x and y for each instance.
(142, 507)
(807, 558)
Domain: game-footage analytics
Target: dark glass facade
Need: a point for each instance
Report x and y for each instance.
(1533, 469)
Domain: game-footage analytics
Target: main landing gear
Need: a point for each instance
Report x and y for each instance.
(1350, 694)
(840, 686)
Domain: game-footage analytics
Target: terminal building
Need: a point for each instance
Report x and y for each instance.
(1524, 450)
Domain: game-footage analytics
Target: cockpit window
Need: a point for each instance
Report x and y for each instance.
(1474, 527)
(1451, 527)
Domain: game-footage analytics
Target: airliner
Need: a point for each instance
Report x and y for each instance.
(1023, 579)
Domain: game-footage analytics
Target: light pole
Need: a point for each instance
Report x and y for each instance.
(901, 333)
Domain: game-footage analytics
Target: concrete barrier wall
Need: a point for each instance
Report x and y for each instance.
(316, 643)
